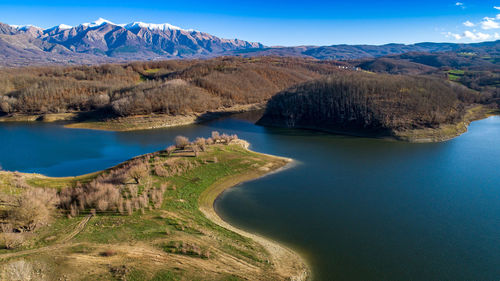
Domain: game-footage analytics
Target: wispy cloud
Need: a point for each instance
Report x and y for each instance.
(490, 23)
(487, 24)
(476, 36)
(471, 35)
(452, 35)
(469, 24)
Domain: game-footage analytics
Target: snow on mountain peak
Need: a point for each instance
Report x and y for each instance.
(152, 26)
(98, 22)
(64, 26)
(59, 27)
(24, 27)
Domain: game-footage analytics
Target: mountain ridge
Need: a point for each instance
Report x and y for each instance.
(103, 41)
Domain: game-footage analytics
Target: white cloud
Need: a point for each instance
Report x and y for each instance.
(474, 31)
(478, 36)
(469, 24)
(489, 23)
(453, 35)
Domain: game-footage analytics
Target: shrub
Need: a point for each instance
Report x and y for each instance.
(215, 136)
(8, 238)
(160, 170)
(201, 143)
(128, 207)
(181, 142)
(102, 205)
(34, 208)
(196, 150)
(138, 171)
(171, 149)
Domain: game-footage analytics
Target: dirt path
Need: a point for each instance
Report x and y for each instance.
(79, 228)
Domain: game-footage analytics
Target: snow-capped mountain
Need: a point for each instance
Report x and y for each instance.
(153, 26)
(109, 41)
(59, 27)
(98, 22)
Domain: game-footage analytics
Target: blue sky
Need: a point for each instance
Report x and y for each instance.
(286, 23)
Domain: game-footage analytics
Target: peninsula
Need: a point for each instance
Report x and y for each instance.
(149, 218)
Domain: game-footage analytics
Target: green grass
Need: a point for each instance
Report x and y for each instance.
(455, 75)
(467, 54)
(184, 200)
(162, 275)
(60, 183)
(152, 70)
(178, 218)
(456, 72)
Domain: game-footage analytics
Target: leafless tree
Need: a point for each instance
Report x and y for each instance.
(181, 142)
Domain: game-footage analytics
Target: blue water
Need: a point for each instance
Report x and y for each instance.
(356, 208)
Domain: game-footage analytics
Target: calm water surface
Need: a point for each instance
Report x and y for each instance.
(356, 208)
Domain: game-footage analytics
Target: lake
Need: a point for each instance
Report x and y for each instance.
(355, 208)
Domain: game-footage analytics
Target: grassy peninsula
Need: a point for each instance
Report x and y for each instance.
(150, 218)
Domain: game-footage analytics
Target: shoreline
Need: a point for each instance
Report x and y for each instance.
(287, 263)
(283, 261)
(444, 132)
(131, 123)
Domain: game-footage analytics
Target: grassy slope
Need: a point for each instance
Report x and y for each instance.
(146, 246)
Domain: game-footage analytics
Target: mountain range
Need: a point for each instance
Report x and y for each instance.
(103, 41)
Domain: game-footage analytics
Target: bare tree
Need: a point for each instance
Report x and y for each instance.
(181, 142)
(171, 149)
(196, 150)
(201, 143)
(215, 136)
(128, 207)
(138, 171)
(34, 208)
(8, 238)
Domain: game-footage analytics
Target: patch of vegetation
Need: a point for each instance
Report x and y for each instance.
(185, 248)
(91, 221)
(174, 87)
(162, 275)
(370, 104)
(455, 75)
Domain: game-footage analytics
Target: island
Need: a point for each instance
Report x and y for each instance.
(149, 218)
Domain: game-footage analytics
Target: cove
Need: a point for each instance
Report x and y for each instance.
(355, 208)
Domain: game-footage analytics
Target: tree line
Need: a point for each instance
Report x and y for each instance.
(168, 87)
(368, 101)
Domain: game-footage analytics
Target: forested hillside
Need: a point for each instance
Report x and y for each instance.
(168, 87)
(368, 103)
(473, 70)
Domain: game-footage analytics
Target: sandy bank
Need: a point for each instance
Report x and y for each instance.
(287, 263)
